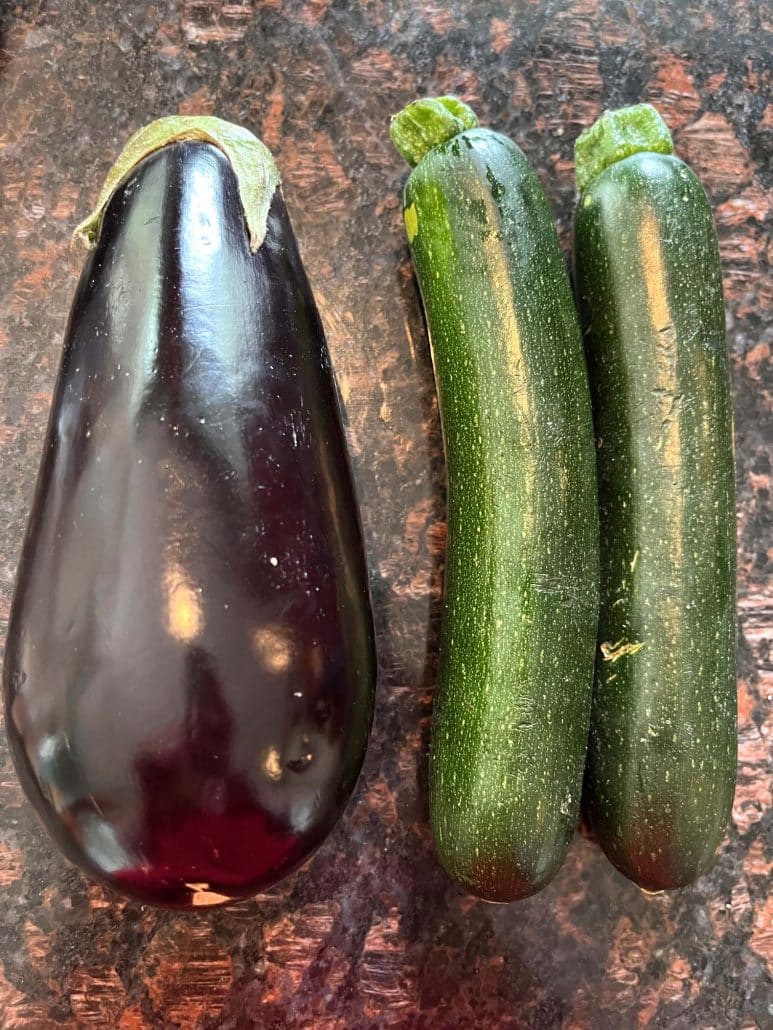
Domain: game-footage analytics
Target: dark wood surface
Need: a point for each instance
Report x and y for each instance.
(371, 933)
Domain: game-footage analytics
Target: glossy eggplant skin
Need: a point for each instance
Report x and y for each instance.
(190, 661)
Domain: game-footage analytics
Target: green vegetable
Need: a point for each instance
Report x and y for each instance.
(519, 618)
(661, 764)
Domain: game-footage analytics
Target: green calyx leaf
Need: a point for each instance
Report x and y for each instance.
(425, 123)
(256, 172)
(615, 136)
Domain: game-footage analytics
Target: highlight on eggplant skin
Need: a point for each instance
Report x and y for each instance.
(190, 661)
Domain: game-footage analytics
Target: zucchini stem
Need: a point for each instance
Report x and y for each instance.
(425, 123)
(615, 136)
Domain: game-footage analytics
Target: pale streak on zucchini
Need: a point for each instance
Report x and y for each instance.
(256, 173)
(613, 652)
(411, 218)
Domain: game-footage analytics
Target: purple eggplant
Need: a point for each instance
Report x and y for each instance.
(190, 662)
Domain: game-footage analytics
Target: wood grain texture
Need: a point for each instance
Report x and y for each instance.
(371, 933)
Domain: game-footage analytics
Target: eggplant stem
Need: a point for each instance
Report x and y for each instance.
(256, 173)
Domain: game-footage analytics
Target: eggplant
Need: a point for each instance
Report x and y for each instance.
(190, 662)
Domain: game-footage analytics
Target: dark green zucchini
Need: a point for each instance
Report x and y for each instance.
(519, 616)
(661, 764)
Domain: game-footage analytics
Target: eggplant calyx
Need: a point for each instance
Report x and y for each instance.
(253, 164)
(424, 124)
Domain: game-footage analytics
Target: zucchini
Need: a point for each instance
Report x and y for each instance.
(662, 756)
(190, 662)
(519, 615)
